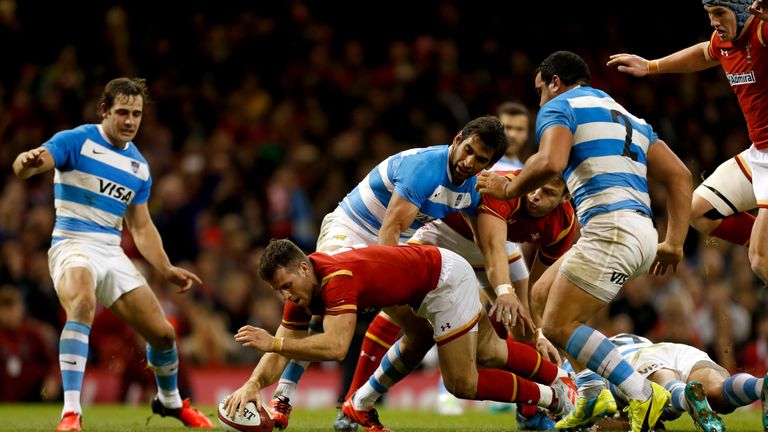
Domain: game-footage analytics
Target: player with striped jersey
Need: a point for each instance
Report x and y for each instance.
(100, 180)
(606, 155)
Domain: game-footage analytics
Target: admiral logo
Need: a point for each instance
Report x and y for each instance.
(741, 79)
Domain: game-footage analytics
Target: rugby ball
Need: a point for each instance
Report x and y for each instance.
(252, 420)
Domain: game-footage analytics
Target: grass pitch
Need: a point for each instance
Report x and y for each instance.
(44, 417)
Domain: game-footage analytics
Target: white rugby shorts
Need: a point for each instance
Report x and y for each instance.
(676, 357)
(730, 188)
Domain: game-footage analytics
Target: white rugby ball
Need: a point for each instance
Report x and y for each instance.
(252, 420)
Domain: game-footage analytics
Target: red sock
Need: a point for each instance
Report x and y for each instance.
(527, 362)
(381, 334)
(526, 410)
(502, 386)
(735, 229)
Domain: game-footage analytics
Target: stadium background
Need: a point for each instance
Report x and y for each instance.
(264, 115)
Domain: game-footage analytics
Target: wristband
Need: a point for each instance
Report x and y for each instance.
(277, 344)
(539, 334)
(504, 289)
(653, 67)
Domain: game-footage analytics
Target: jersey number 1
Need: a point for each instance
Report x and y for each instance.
(616, 115)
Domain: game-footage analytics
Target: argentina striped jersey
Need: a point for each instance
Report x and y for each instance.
(420, 176)
(607, 167)
(94, 183)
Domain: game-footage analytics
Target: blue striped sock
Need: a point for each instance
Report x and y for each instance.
(392, 369)
(165, 365)
(73, 356)
(592, 349)
(677, 388)
(741, 389)
(589, 383)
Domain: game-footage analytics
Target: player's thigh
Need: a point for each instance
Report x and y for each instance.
(337, 230)
(540, 290)
(417, 330)
(458, 364)
(727, 191)
(74, 267)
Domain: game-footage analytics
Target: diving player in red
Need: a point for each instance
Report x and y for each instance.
(441, 290)
(739, 45)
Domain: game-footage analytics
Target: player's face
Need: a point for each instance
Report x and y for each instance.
(723, 20)
(468, 157)
(545, 199)
(121, 121)
(545, 91)
(294, 286)
(516, 130)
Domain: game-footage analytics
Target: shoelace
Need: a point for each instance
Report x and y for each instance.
(283, 407)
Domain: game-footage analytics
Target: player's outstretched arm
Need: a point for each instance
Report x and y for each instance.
(266, 373)
(32, 162)
(691, 59)
(666, 168)
(150, 245)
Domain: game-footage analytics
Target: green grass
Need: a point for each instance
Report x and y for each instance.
(44, 417)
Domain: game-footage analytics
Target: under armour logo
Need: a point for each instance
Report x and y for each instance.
(535, 236)
(368, 356)
(723, 52)
(445, 326)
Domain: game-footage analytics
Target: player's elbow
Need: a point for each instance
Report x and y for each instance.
(339, 352)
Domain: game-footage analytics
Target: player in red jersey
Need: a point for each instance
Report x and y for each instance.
(722, 202)
(441, 290)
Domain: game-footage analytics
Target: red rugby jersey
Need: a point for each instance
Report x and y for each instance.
(372, 276)
(745, 62)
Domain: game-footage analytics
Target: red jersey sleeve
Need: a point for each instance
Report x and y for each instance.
(339, 292)
(503, 209)
(295, 317)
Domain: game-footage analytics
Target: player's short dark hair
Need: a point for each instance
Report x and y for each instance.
(279, 253)
(558, 181)
(512, 108)
(125, 87)
(571, 68)
(491, 132)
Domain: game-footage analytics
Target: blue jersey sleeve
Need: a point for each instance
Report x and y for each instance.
(142, 195)
(556, 112)
(414, 182)
(65, 148)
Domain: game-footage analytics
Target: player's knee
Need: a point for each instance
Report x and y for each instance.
(539, 295)
(81, 308)
(164, 337)
(703, 223)
(463, 387)
(759, 262)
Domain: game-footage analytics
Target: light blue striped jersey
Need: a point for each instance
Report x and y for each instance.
(94, 183)
(607, 167)
(422, 177)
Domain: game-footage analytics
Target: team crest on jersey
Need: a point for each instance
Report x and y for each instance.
(459, 199)
(135, 166)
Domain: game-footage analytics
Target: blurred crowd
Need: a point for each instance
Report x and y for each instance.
(262, 119)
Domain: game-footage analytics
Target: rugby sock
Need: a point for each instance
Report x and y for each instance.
(591, 348)
(678, 405)
(295, 368)
(392, 369)
(735, 229)
(381, 334)
(741, 389)
(589, 383)
(165, 365)
(503, 386)
(527, 362)
(73, 355)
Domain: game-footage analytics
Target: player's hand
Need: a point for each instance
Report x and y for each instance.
(490, 183)
(548, 351)
(33, 158)
(759, 9)
(629, 63)
(508, 310)
(181, 277)
(236, 402)
(255, 337)
(666, 256)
